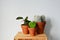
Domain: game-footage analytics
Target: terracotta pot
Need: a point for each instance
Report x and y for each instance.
(25, 28)
(32, 31)
(40, 27)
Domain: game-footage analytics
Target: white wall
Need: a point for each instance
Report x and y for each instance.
(10, 9)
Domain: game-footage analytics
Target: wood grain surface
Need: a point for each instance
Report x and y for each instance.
(21, 36)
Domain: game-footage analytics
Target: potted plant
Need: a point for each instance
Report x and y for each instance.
(25, 25)
(32, 28)
(41, 24)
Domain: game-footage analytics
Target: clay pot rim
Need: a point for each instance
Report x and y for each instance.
(24, 24)
(44, 21)
(31, 28)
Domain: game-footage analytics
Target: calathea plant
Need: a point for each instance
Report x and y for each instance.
(25, 25)
(26, 21)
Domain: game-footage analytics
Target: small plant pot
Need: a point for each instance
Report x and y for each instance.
(40, 27)
(32, 31)
(25, 28)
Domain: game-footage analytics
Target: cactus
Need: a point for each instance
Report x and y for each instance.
(26, 21)
(32, 24)
(39, 18)
(42, 18)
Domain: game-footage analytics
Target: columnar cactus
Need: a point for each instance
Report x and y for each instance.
(42, 18)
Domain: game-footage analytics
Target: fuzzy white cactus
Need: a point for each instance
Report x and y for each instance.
(38, 18)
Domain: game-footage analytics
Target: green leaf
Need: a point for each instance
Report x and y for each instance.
(26, 18)
(19, 18)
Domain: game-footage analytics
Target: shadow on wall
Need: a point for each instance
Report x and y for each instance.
(48, 28)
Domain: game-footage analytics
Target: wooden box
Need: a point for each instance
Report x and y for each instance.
(21, 36)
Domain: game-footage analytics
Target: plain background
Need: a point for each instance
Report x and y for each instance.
(10, 9)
